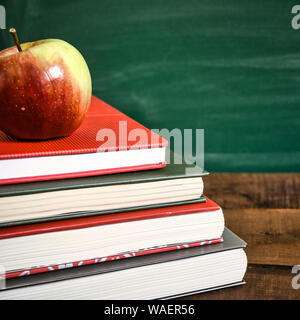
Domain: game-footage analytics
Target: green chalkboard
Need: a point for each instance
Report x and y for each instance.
(230, 67)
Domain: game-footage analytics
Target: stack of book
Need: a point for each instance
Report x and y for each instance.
(99, 216)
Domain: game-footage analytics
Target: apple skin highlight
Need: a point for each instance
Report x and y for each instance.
(45, 90)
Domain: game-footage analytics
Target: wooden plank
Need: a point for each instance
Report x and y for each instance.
(263, 209)
(272, 235)
(254, 190)
(263, 283)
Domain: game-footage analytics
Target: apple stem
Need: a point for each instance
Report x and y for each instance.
(13, 32)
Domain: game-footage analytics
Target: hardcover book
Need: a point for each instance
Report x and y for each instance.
(46, 245)
(123, 255)
(161, 275)
(69, 198)
(108, 141)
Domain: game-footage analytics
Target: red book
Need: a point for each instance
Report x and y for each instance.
(88, 151)
(52, 245)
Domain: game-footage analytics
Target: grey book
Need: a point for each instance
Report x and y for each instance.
(155, 276)
(33, 202)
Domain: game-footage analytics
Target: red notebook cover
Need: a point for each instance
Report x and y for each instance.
(56, 226)
(84, 140)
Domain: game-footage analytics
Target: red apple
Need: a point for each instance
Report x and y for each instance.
(45, 90)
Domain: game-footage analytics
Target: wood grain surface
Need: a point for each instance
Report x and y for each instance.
(250, 190)
(264, 210)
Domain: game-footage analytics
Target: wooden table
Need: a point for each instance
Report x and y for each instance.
(264, 210)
